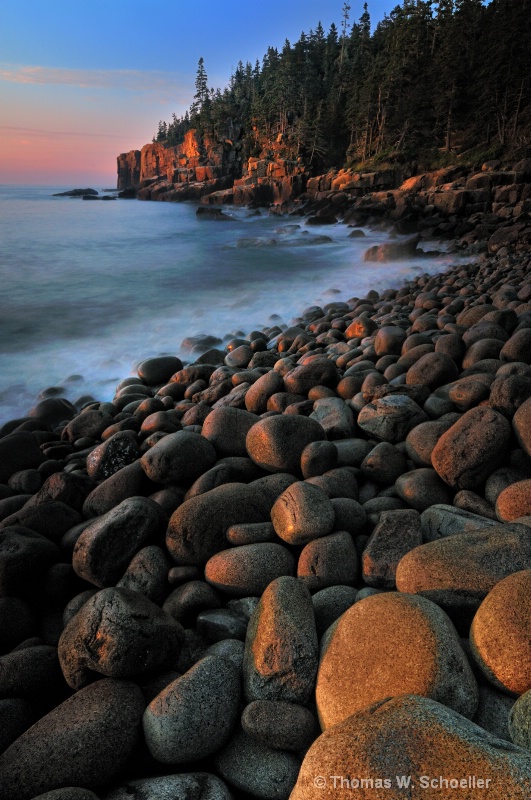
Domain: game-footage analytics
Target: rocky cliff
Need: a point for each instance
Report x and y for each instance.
(198, 166)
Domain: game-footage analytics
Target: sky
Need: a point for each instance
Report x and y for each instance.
(84, 80)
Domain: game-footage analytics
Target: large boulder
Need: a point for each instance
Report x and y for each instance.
(280, 660)
(197, 528)
(391, 644)
(500, 635)
(471, 449)
(120, 634)
(83, 742)
(412, 747)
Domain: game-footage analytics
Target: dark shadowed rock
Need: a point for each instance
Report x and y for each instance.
(178, 456)
(277, 443)
(194, 716)
(280, 659)
(105, 548)
(120, 634)
(100, 724)
(197, 528)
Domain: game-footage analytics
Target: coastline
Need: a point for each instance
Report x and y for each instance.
(330, 470)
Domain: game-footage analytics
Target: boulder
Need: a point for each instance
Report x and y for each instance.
(120, 634)
(197, 528)
(413, 747)
(500, 634)
(276, 443)
(392, 644)
(280, 661)
(100, 724)
(471, 449)
(195, 714)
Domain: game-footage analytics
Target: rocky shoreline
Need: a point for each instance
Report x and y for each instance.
(301, 560)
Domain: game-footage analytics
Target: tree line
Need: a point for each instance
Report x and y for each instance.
(432, 79)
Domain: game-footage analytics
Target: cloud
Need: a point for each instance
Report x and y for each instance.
(9, 130)
(170, 85)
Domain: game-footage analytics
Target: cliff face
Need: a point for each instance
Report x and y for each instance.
(197, 160)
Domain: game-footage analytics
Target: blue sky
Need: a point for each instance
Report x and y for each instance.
(83, 81)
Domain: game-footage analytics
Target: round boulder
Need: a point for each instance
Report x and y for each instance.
(390, 418)
(100, 725)
(276, 443)
(391, 644)
(471, 449)
(434, 751)
(280, 660)
(500, 635)
(194, 715)
(302, 513)
(184, 455)
(120, 634)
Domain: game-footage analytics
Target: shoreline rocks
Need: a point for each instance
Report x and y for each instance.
(332, 516)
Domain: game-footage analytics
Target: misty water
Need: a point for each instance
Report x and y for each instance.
(89, 289)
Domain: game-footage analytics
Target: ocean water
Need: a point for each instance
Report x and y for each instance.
(89, 289)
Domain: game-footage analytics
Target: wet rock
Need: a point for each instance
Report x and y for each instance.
(155, 371)
(499, 635)
(392, 644)
(194, 716)
(227, 429)
(317, 372)
(116, 452)
(100, 724)
(280, 659)
(120, 634)
(90, 423)
(261, 390)
(130, 481)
